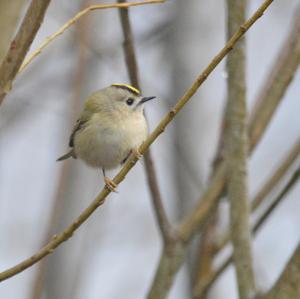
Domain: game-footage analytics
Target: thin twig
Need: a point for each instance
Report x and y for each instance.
(206, 283)
(99, 200)
(132, 68)
(71, 22)
(20, 44)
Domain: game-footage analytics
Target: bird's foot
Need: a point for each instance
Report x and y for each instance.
(111, 185)
(136, 153)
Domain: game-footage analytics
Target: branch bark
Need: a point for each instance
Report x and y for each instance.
(99, 200)
(20, 44)
(236, 152)
(73, 20)
(132, 68)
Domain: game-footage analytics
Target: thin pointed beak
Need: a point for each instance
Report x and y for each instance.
(146, 99)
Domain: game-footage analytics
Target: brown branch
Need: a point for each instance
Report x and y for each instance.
(288, 284)
(132, 68)
(206, 250)
(99, 200)
(20, 44)
(79, 15)
(236, 150)
(206, 283)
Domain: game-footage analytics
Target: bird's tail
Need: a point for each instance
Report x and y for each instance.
(67, 155)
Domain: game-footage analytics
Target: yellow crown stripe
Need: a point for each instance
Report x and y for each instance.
(127, 86)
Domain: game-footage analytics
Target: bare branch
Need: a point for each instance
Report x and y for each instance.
(170, 262)
(132, 68)
(99, 200)
(236, 150)
(20, 44)
(72, 21)
(206, 283)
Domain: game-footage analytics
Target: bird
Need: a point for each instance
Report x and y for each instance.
(111, 127)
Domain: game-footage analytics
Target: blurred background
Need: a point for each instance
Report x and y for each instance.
(115, 253)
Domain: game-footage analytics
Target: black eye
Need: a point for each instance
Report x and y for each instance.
(129, 101)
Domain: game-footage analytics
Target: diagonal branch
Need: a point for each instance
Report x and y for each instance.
(99, 200)
(206, 283)
(20, 44)
(73, 20)
(12, 63)
(132, 68)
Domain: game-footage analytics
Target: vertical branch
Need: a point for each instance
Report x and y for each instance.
(20, 44)
(236, 150)
(132, 68)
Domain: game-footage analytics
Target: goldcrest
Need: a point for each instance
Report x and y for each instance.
(111, 126)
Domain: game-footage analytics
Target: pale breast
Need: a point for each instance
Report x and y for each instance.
(106, 146)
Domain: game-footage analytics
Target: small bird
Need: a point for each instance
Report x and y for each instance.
(110, 128)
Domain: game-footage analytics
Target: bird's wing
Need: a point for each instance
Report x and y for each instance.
(77, 127)
(90, 107)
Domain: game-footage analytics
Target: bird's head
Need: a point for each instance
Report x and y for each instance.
(122, 99)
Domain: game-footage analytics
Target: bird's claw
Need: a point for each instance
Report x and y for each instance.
(136, 153)
(111, 185)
